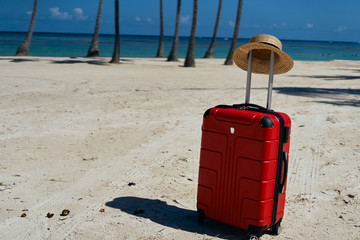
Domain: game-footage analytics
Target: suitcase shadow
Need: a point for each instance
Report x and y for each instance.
(172, 216)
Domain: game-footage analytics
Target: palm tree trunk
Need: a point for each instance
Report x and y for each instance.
(94, 47)
(210, 51)
(23, 50)
(160, 52)
(116, 54)
(173, 54)
(190, 60)
(229, 60)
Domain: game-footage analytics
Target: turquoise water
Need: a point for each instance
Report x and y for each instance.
(76, 45)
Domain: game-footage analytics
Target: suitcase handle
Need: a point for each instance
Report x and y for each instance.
(249, 105)
(271, 79)
(282, 185)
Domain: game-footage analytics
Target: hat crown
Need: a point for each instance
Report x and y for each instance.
(261, 46)
(266, 39)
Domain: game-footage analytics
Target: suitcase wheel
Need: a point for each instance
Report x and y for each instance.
(275, 230)
(202, 217)
(253, 236)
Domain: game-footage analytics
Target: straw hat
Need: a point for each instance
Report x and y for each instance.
(262, 45)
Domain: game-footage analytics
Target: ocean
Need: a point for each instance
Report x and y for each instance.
(77, 45)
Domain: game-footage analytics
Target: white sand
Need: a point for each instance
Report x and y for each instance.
(75, 132)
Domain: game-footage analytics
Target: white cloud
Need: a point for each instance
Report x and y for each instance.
(185, 19)
(231, 23)
(143, 20)
(79, 14)
(282, 25)
(78, 11)
(309, 25)
(341, 29)
(55, 13)
(29, 13)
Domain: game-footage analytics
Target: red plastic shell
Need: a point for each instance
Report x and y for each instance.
(238, 166)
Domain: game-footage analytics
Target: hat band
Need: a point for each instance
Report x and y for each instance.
(271, 45)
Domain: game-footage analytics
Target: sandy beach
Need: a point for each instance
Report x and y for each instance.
(118, 146)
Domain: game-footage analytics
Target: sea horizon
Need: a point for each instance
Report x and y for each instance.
(54, 44)
(150, 35)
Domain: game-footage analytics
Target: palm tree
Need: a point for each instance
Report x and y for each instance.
(116, 54)
(229, 59)
(173, 54)
(94, 47)
(210, 51)
(190, 60)
(160, 52)
(23, 50)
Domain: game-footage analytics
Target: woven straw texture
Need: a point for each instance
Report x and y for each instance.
(262, 45)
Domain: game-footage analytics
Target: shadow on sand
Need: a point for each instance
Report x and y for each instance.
(335, 94)
(171, 216)
(74, 61)
(17, 60)
(24, 60)
(329, 78)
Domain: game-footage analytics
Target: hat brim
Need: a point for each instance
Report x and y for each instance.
(261, 60)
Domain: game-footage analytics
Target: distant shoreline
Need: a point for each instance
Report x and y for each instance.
(77, 45)
(129, 60)
(170, 36)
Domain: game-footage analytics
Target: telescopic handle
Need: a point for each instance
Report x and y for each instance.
(248, 79)
(271, 78)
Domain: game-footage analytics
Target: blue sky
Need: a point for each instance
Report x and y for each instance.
(287, 19)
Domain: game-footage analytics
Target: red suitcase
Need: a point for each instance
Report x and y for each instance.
(243, 165)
